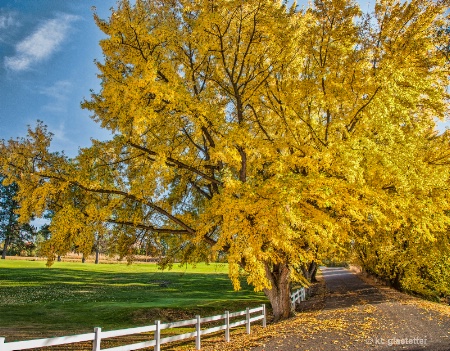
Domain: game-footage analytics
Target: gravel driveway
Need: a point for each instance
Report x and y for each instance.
(354, 315)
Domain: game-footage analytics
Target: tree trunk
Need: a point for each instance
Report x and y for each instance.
(280, 293)
(96, 254)
(59, 258)
(5, 247)
(396, 282)
(309, 271)
(305, 271)
(312, 271)
(313, 275)
(83, 259)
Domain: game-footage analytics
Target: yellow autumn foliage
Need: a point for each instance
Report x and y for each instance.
(270, 135)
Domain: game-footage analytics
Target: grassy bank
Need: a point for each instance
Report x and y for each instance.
(36, 301)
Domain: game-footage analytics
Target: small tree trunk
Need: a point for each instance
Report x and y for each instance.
(313, 275)
(396, 282)
(59, 258)
(280, 293)
(5, 247)
(305, 271)
(312, 271)
(96, 254)
(83, 259)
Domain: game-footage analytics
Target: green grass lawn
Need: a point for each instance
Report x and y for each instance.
(36, 301)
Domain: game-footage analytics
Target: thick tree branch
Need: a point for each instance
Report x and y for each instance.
(178, 163)
(149, 227)
(201, 191)
(356, 118)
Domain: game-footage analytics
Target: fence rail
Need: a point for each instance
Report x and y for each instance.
(98, 335)
(297, 297)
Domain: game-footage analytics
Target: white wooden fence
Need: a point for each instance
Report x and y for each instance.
(98, 335)
(298, 296)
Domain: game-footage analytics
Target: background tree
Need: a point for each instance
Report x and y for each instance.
(42, 235)
(17, 237)
(275, 136)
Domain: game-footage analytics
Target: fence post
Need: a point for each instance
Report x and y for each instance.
(227, 326)
(264, 315)
(293, 301)
(97, 339)
(157, 336)
(197, 338)
(247, 320)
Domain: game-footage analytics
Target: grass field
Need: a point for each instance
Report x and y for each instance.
(36, 301)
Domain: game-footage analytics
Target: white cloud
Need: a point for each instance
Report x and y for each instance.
(59, 96)
(59, 133)
(41, 44)
(8, 23)
(7, 20)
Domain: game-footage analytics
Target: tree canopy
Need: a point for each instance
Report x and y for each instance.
(272, 135)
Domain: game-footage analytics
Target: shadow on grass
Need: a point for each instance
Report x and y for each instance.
(59, 301)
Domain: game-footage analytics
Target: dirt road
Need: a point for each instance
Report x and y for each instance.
(354, 315)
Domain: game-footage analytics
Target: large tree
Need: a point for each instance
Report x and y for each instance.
(274, 136)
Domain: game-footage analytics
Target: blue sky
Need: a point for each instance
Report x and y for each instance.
(47, 52)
